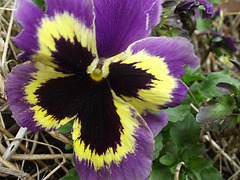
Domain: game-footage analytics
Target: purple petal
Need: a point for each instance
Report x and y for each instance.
(229, 42)
(59, 14)
(29, 16)
(156, 122)
(148, 74)
(217, 13)
(120, 23)
(131, 159)
(81, 9)
(177, 52)
(208, 12)
(188, 5)
(34, 103)
(21, 109)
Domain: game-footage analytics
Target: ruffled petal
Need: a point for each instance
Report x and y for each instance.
(147, 74)
(120, 23)
(30, 19)
(155, 121)
(21, 76)
(40, 97)
(81, 9)
(49, 32)
(121, 151)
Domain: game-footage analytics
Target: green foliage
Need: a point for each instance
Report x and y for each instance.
(71, 174)
(193, 75)
(40, 3)
(216, 109)
(203, 24)
(223, 95)
(202, 169)
(180, 138)
(215, 2)
(178, 113)
(66, 128)
(158, 145)
(206, 88)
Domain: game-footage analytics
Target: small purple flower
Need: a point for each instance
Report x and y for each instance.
(218, 12)
(224, 41)
(189, 6)
(92, 61)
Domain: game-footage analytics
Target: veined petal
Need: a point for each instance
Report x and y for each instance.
(155, 121)
(64, 31)
(61, 27)
(127, 143)
(30, 19)
(39, 96)
(81, 9)
(120, 23)
(147, 74)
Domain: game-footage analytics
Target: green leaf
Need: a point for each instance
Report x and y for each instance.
(71, 174)
(195, 165)
(238, 118)
(201, 7)
(40, 4)
(203, 24)
(216, 109)
(191, 150)
(158, 145)
(215, 2)
(218, 51)
(207, 89)
(202, 169)
(178, 113)
(211, 173)
(168, 159)
(67, 147)
(230, 122)
(66, 128)
(160, 171)
(192, 75)
(185, 132)
(217, 39)
(227, 88)
(236, 63)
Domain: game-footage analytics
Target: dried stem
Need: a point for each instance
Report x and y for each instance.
(177, 172)
(14, 145)
(33, 157)
(63, 157)
(15, 173)
(221, 151)
(4, 56)
(8, 164)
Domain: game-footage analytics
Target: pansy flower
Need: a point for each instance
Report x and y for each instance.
(92, 61)
(226, 42)
(188, 6)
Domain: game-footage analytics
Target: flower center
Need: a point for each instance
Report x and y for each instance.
(96, 74)
(99, 69)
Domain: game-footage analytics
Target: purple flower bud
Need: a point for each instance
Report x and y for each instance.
(189, 5)
(227, 42)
